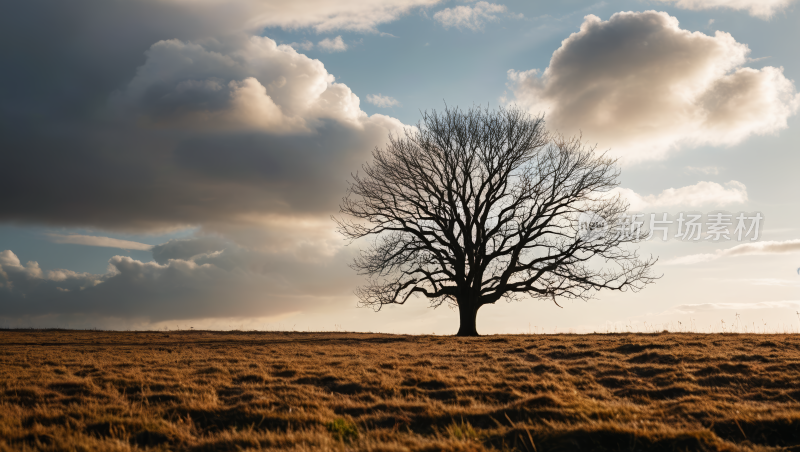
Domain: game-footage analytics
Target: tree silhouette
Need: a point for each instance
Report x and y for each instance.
(478, 205)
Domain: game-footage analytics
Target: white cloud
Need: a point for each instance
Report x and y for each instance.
(12, 273)
(382, 101)
(702, 193)
(305, 45)
(471, 17)
(642, 86)
(745, 249)
(324, 15)
(332, 45)
(764, 9)
(208, 132)
(253, 84)
(91, 240)
(10, 263)
(274, 124)
(321, 15)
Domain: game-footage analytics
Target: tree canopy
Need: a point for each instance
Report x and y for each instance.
(475, 206)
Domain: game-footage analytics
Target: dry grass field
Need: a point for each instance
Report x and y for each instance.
(68, 390)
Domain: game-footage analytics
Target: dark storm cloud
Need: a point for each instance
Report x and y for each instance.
(119, 179)
(107, 126)
(63, 58)
(147, 115)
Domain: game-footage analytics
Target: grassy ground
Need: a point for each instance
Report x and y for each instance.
(66, 390)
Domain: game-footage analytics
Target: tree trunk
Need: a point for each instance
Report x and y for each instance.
(468, 313)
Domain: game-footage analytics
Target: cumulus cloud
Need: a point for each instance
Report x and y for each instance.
(23, 280)
(257, 85)
(150, 116)
(642, 86)
(745, 249)
(700, 194)
(109, 38)
(764, 9)
(469, 17)
(208, 125)
(332, 45)
(93, 240)
(201, 133)
(231, 283)
(305, 45)
(382, 101)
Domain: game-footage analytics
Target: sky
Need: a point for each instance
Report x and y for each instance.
(176, 163)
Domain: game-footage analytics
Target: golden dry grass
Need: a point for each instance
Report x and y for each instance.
(68, 390)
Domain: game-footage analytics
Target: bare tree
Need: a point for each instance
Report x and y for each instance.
(474, 206)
